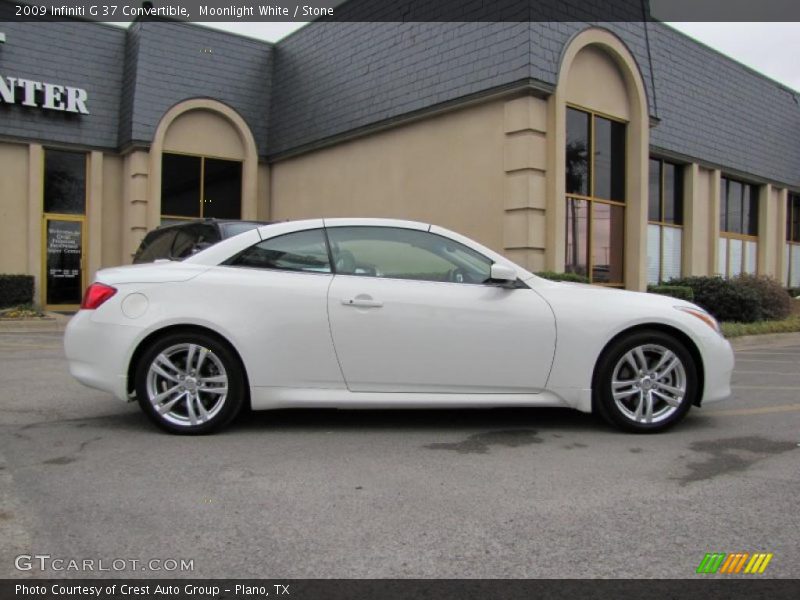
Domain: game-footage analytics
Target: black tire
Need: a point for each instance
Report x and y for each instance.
(195, 391)
(625, 412)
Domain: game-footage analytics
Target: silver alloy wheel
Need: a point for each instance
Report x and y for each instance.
(649, 383)
(187, 384)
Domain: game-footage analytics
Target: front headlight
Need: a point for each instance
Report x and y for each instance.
(702, 315)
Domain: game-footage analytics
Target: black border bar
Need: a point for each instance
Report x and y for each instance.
(400, 10)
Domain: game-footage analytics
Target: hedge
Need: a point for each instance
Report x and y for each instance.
(15, 290)
(681, 292)
(775, 303)
(744, 299)
(572, 277)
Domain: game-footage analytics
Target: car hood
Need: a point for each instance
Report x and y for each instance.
(157, 272)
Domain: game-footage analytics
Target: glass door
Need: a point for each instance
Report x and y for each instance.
(63, 229)
(63, 257)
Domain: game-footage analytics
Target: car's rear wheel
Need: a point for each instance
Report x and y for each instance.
(190, 383)
(646, 382)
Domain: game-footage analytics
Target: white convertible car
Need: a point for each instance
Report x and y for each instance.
(375, 313)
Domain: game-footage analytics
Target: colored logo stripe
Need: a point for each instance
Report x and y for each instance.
(720, 562)
(711, 562)
(758, 564)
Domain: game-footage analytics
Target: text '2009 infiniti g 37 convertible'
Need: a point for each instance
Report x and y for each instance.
(376, 313)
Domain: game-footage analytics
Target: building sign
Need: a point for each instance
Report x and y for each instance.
(64, 253)
(40, 94)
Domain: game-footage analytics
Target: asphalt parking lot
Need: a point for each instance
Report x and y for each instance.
(429, 494)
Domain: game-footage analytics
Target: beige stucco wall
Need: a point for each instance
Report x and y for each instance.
(111, 231)
(13, 208)
(203, 132)
(446, 169)
(595, 81)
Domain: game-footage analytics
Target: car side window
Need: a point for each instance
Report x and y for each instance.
(300, 251)
(398, 253)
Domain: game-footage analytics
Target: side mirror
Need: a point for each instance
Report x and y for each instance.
(503, 276)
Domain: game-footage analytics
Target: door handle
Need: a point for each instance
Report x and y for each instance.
(360, 302)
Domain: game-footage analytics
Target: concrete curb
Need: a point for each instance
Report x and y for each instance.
(772, 340)
(52, 323)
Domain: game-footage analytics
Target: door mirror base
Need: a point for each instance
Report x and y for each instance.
(503, 276)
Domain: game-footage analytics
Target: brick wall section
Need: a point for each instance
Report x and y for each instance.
(82, 55)
(717, 110)
(172, 65)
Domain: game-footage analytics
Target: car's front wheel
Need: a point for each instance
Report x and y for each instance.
(190, 383)
(645, 382)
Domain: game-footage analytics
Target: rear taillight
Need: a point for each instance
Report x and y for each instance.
(96, 294)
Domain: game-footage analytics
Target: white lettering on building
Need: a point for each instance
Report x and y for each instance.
(50, 96)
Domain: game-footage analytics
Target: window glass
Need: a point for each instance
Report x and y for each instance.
(653, 253)
(608, 225)
(180, 185)
(222, 190)
(796, 219)
(734, 207)
(751, 210)
(609, 159)
(193, 238)
(64, 182)
(577, 152)
(577, 236)
(723, 205)
(300, 251)
(232, 229)
(673, 194)
(405, 254)
(654, 193)
(672, 253)
(156, 245)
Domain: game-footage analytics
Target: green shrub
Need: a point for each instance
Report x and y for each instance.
(776, 304)
(794, 292)
(681, 292)
(573, 277)
(726, 299)
(16, 289)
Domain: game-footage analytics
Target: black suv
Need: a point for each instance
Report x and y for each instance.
(179, 240)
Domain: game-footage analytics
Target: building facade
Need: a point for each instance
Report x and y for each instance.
(623, 151)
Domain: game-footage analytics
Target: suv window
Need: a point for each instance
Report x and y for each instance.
(156, 244)
(188, 238)
(405, 254)
(300, 251)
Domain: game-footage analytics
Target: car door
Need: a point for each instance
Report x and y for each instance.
(413, 311)
(274, 295)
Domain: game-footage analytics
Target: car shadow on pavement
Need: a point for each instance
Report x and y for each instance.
(412, 419)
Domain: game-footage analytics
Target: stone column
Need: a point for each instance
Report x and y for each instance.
(525, 189)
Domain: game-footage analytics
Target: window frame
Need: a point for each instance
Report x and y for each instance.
(201, 200)
(662, 222)
(733, 235)
(591, 198)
